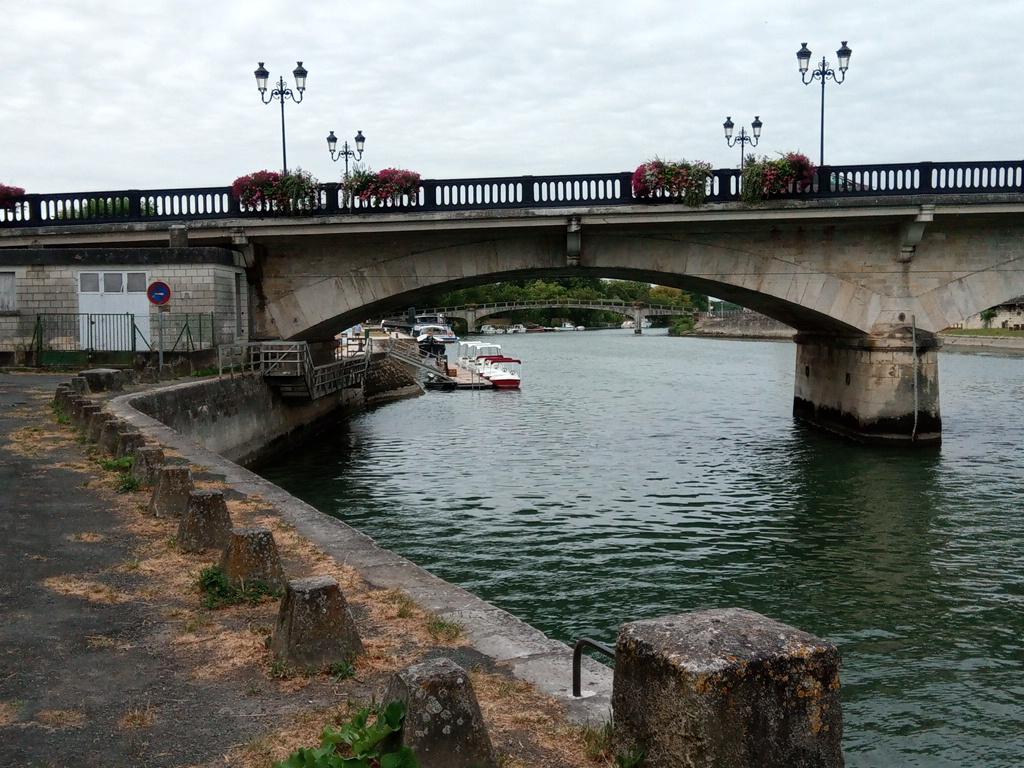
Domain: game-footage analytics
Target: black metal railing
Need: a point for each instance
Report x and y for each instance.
(564, 191)
(577, 661)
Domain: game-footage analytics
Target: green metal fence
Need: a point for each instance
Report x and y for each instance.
(67, 337)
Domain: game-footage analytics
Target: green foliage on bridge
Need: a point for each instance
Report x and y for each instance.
(576, 288)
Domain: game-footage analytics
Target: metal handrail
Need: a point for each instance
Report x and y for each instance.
(577, 660)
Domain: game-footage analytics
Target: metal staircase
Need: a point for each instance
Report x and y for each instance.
(288, 366)
(431, 364)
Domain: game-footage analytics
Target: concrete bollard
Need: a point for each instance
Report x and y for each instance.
(443, 724)
(80, 385)
(170, 494)
(62, 397)
(82, 419)
(100, 379)
(108, 436)
(206, 523)
(149, 459)
(127, 441)
(61, 392)
(314, 625)
(96, 422)
(726, 688)
(251, 555)
(78, 404)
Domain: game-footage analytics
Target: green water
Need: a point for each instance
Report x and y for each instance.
(636, 477)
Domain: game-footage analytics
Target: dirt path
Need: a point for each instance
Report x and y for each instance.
(107, 657)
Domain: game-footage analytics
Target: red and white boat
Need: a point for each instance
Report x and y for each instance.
(501, 371)
(488, 362)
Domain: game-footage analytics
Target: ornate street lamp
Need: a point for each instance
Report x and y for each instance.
(346, 152)
(823, 73)
(743, 138)
(281, 93)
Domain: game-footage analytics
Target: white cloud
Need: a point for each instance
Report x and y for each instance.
(109, 95)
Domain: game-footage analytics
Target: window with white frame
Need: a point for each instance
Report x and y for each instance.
(111, 282)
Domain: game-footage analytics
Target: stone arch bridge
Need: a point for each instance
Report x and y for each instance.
(868, 263)
(472, 314)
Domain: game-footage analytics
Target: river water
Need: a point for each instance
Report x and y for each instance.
(634, 477)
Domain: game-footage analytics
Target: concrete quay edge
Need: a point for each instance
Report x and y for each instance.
(525, 651)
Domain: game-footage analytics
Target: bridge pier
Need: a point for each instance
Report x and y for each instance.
(638, 322)
(878, 389)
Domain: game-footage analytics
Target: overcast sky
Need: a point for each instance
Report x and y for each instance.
(153, 93)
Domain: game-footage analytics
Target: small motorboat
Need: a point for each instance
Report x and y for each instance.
(501, 371)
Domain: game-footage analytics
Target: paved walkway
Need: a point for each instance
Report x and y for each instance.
(89, 675)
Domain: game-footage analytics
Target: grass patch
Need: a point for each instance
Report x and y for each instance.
(128, 483)
(117, 465)
(442, 629)
(219, 592)
(341, 670)
(139, 717)
(61, 718)
(60, 415)
(279, 670)
(206, 372)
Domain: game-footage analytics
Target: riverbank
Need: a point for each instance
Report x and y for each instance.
(120, 663)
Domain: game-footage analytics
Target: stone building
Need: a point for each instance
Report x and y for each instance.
(1009, 316)
(95, 299)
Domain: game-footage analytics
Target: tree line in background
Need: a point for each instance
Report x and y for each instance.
(575, 288)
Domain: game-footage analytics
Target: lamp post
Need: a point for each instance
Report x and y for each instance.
(823, 73)
(281, 93)
(743, 138)
(346, 152)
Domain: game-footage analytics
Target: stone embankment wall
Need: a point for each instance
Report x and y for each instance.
(241, 418)
(1001, 344)
(742, 325)
(388, 380)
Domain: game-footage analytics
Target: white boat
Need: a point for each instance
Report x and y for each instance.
(440, 333)
(488, 329)
(517, 328)
(567, 326)
(487, 361)
(628, 324)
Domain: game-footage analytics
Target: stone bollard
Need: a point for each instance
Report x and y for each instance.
(149, 459)
(726, 688)
(251, 554)
(61, 392)
(206, 523)
(96, 422)
(80, 385)
(77, 405)
(100, 379)
(63, 396)
(127, 441)
(170, 496)
(108, 436)
(443, 724)
(82, 419)
(314, 625)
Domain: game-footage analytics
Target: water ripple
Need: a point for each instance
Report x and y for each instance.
(606, 492)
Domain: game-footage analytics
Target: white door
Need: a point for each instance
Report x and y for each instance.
(107, 302)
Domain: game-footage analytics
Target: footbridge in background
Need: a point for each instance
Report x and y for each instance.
(472, 314)
(867, 263)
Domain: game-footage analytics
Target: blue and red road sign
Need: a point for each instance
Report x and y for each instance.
(159, 292)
